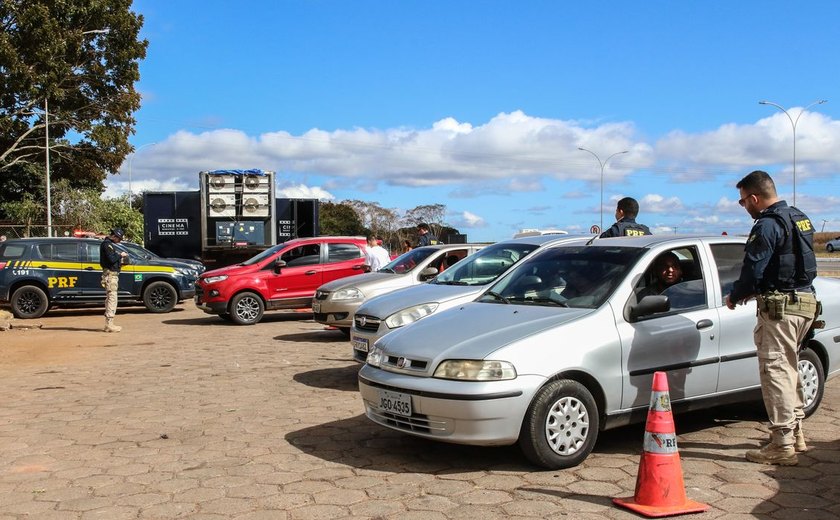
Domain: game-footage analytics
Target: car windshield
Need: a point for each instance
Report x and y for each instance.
(408, 260)
(136, 250)
(262, 256)
(486, 265)
(581, 277)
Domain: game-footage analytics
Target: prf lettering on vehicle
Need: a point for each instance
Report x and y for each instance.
(633, 233)
(62, 281)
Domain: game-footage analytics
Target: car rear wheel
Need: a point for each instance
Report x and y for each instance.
(160, 297)
(29, 302)
(813, 380)
(246, 308)
(561, 425)
(830, 248)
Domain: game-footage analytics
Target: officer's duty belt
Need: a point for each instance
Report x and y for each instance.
(777, 304)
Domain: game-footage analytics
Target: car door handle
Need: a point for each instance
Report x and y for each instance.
(42, 266)
(88, 268)
(358, 267)
(704, 324)
(307, 273)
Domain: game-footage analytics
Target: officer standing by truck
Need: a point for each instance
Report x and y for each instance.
(779, 268)
(111, 259)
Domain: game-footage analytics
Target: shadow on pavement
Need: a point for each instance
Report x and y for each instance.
(316, 336)
(343, 379)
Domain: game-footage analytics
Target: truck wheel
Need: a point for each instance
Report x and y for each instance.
(160, 297)
(246, 308)
(29, 302)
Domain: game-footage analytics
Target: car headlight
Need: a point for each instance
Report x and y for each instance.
(410, 315)
(475, 370)
(374, 357)
(351, 293)
(215, 279)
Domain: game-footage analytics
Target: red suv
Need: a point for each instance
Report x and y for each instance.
(283, 277)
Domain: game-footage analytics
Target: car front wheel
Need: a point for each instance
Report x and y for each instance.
(829, 248)
(246, 308)
(813, 380)
(160, 297)
(29, 302)
(561, 425)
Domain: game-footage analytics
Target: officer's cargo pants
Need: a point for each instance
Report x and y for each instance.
(777, 342)
(111, 283)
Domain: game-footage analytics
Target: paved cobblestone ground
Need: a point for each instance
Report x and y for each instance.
(185, 416)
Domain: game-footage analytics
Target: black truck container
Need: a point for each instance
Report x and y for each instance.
(176, 224)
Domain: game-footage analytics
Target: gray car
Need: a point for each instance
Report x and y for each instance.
(335, 302)
(562, 347)
(460, 284)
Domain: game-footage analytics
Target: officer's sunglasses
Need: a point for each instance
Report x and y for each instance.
(743, 202)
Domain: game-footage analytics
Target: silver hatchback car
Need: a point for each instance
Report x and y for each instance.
(565, 345)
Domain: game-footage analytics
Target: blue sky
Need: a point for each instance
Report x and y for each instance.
(482, 106)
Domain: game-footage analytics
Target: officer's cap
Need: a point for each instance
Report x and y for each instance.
(118, 232)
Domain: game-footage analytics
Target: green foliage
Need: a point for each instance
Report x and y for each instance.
(339, 219)
(60, 52)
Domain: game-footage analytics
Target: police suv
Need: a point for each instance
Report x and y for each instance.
(39, 273)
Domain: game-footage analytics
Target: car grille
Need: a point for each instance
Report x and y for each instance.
(416, 423)
(403, 364)
(321, 295)
(366, 322)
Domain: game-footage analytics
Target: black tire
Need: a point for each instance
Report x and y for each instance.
(246, 308)
(29, 302)
(561, 425)
(829, 248)
(813, 380)
(345, 331)
(160, 297)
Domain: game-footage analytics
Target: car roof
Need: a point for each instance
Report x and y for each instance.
(648, 241)
(32, 240)
(543, 239)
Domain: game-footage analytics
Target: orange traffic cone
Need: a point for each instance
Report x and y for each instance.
(660, 490)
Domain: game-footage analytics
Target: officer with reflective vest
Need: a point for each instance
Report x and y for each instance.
(779, 269)
(111, 259)
(626, 226)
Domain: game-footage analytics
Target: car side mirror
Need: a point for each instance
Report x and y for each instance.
(279, 265)
(429, 272)
(648, 305)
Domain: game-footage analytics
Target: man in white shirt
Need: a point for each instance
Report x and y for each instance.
(375, 255)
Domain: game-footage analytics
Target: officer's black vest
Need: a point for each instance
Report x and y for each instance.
(631, 229)
(795, 265)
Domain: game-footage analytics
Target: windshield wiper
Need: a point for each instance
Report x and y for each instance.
(386, 270)
(497, 296)
(452, 282)
(546, 300)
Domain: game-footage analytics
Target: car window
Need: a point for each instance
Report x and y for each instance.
(342, 252)
(307, 254)
(11, 251)
(90, 253)
(581, 276)
(447, 259)
(677, 274)
(63, 251)
(484, 266)
(409, 260)
(729, 258)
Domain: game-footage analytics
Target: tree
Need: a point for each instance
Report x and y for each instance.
(431, 214)
(381, 222)
(339, 219)
(78, 59)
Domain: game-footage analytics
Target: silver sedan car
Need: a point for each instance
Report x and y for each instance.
(457, 285)
(566, 343)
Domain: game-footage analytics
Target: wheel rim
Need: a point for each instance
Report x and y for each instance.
(567, 426)
(248, 308)
(161, 298)
(29, 302)
(810, 381)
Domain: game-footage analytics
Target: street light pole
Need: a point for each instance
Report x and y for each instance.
(130, 162)
(602, 165)
(793, 123)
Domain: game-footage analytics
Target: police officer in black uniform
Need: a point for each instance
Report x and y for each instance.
(779, 268)
(626, 226)
(111, 259)
(425, 237)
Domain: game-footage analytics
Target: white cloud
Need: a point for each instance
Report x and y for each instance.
(468, 219)
(655, 203)
(305, 192)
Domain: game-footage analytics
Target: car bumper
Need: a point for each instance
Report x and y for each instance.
(211, 307)
(334, 314)
(484, 414)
